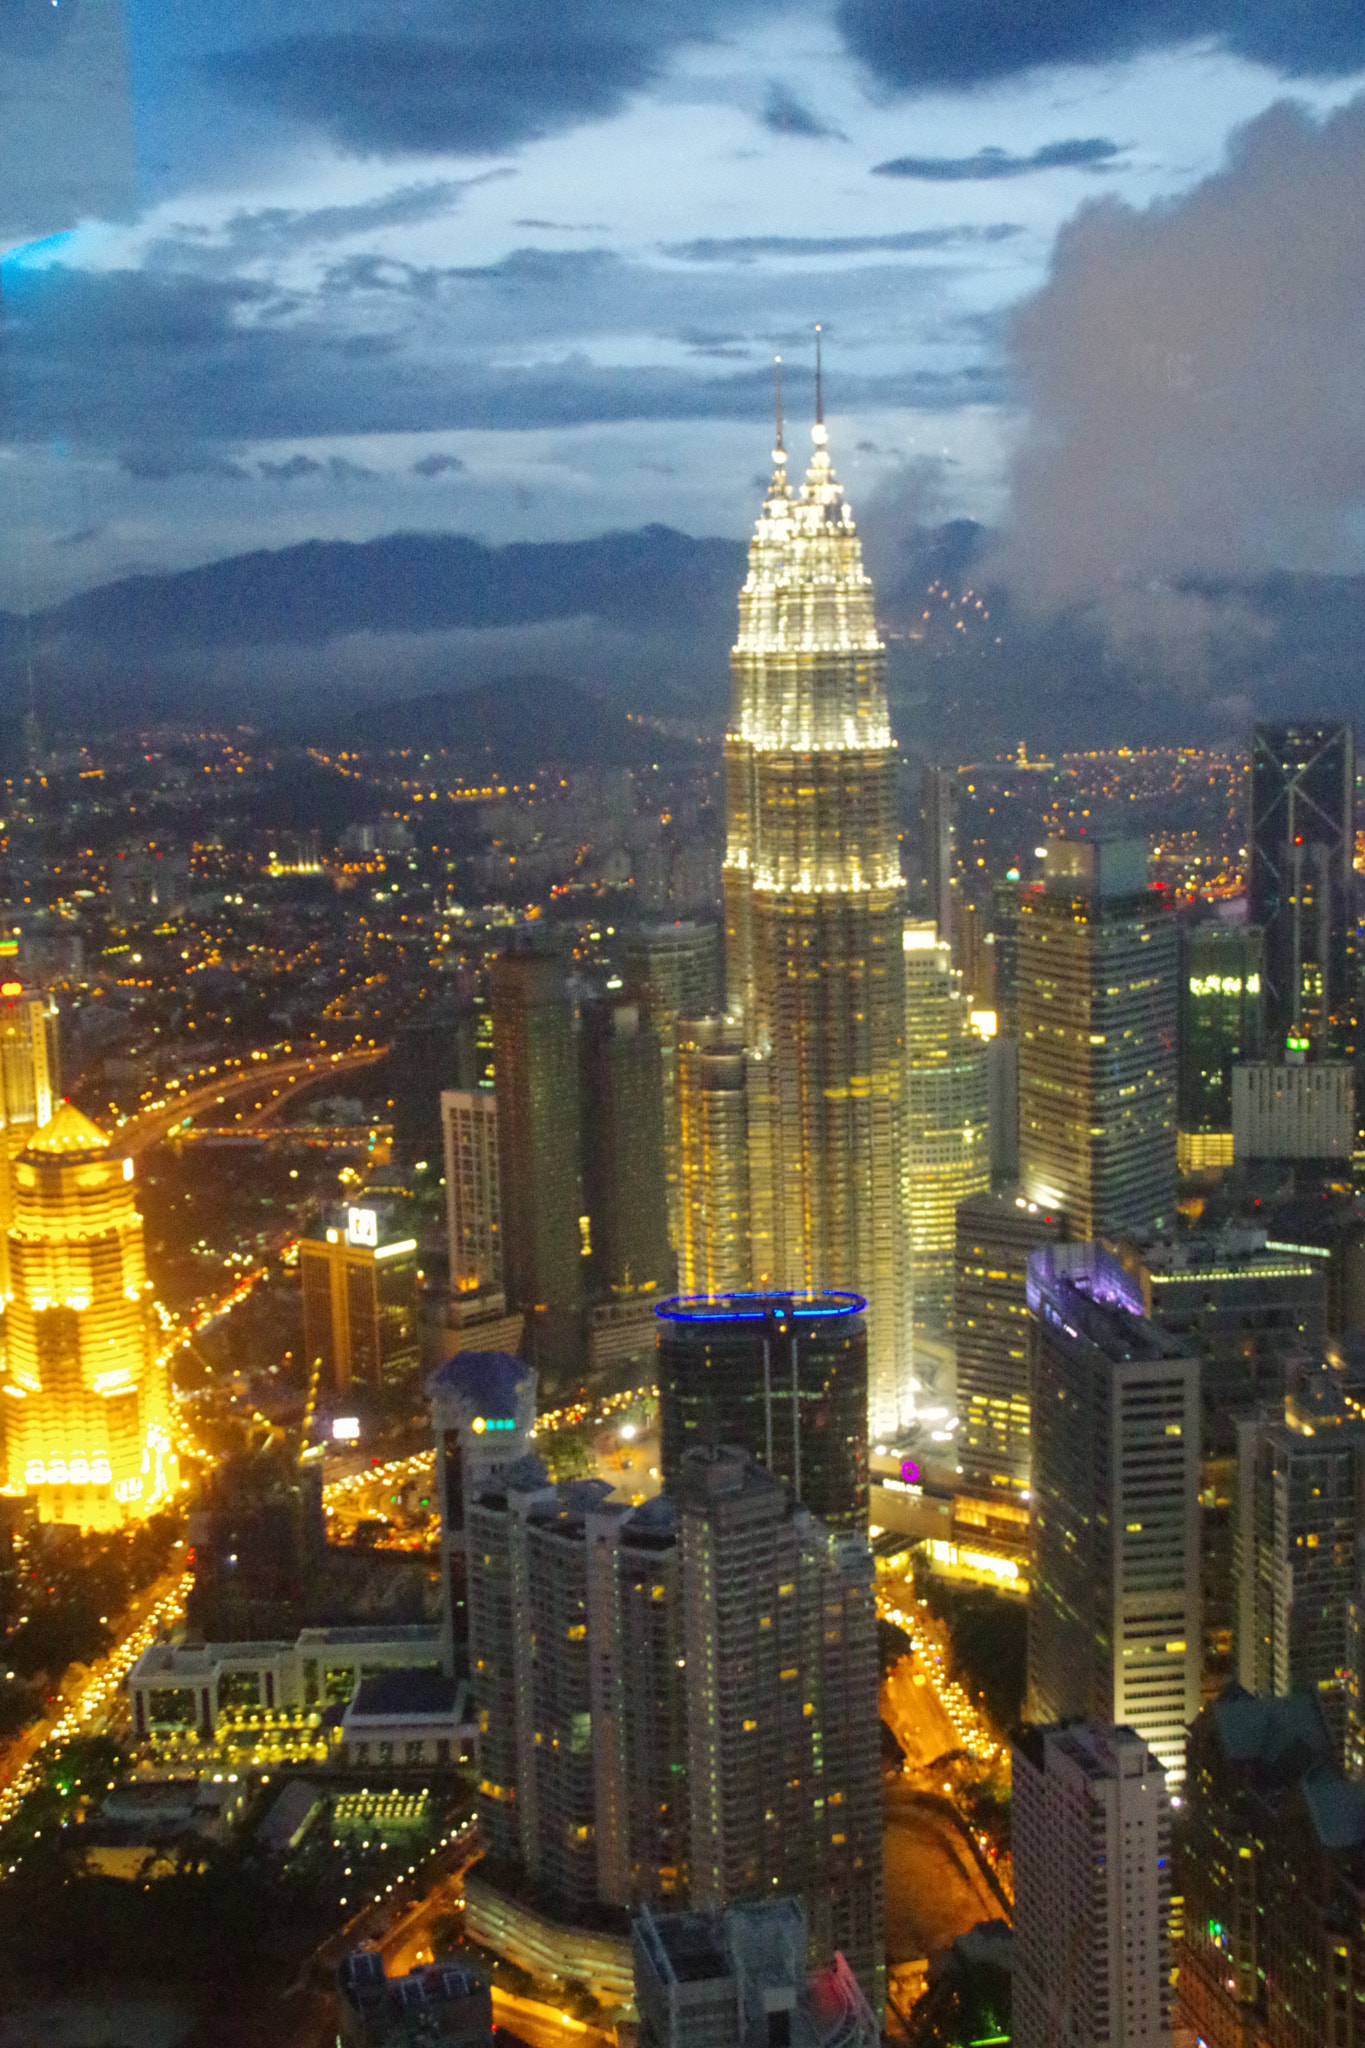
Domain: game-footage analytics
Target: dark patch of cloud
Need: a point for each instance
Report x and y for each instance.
(302, 468)
(277, 230)
(385, 95)
(105, 359)
(926, 45)
(1091, 153)
(162, 465)
(749, 248)
(81, 538)
(437, 465)
(1193, 377)
(399, 76)
(565, 227)
(787, 114)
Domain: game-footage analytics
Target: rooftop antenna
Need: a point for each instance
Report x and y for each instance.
(819, 381)
(778, 449)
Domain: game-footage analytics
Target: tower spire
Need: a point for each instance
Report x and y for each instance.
(778, 448)
(819, 381)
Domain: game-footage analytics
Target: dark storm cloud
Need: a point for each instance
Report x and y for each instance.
(437, 465)
(749, 248)
(1090, 153)
(390, 80)
(786, 114)
(1194, 380)
(388, 95)
(925, 45)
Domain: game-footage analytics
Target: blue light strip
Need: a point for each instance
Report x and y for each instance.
(758, 1308)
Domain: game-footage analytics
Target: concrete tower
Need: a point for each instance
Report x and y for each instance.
(813, 912)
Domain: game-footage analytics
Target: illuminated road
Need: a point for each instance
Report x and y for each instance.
(265, 1086)
(84, 1704)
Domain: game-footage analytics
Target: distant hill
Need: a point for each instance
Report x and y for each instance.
(428, 633)
(409, 583)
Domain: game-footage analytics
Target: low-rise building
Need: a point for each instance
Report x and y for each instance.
(436, 2004)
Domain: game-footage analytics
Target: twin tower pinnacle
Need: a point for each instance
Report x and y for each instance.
(814, 919)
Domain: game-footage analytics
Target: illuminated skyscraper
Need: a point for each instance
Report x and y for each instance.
(469, 1119)
(1303, 791)
(359, 1281)
(1114, 1630)
(28, 1083)
(813, 908)
(715, 1253)
(89, 1408)
(1220, 1024)
(947, 1136)
(676, 967)
(1097, 1030)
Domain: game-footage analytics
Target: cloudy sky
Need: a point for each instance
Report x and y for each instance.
(283, 269)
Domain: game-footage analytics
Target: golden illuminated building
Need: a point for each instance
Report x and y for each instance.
(813, 919)
(86, 1399)
(947, 1139)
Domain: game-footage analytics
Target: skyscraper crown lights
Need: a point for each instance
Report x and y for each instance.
(807, 593)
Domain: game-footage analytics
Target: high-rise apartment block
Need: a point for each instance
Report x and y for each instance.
(483, 1414)
(1092, 1884)
(1222, 969)
(359, 1279)
(1114, 1620)
(1250, 1312)
(738, 1980)
(813, 907)
(1097, 1040)
(783, 1377)
(87, 1427)
(469, 1121)
(574, 1641)
(1300, 1509)
(1273, 1866)
(947, 1133)
(544, 1232)
(779, 1632)
(995, 1235)
(678, 1702)
(1303, 794)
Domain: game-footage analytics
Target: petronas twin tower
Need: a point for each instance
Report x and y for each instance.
(814, 923)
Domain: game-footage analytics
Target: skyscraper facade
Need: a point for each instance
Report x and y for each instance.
(1092, 1887)
(1303, 783)
(469, 1124)
(784, 1771)
(543, 1232)
(784, 1377)
(676, 968)
(1114, 1631)
(359, 1281)
(715, 1251)
(1097, 1040)
(995, 1234)
(624, 1190)
(1221, 970)
(678, 1701)
(947, 1135)
(1300, 1498)
(813, 907)
(87, 1427)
